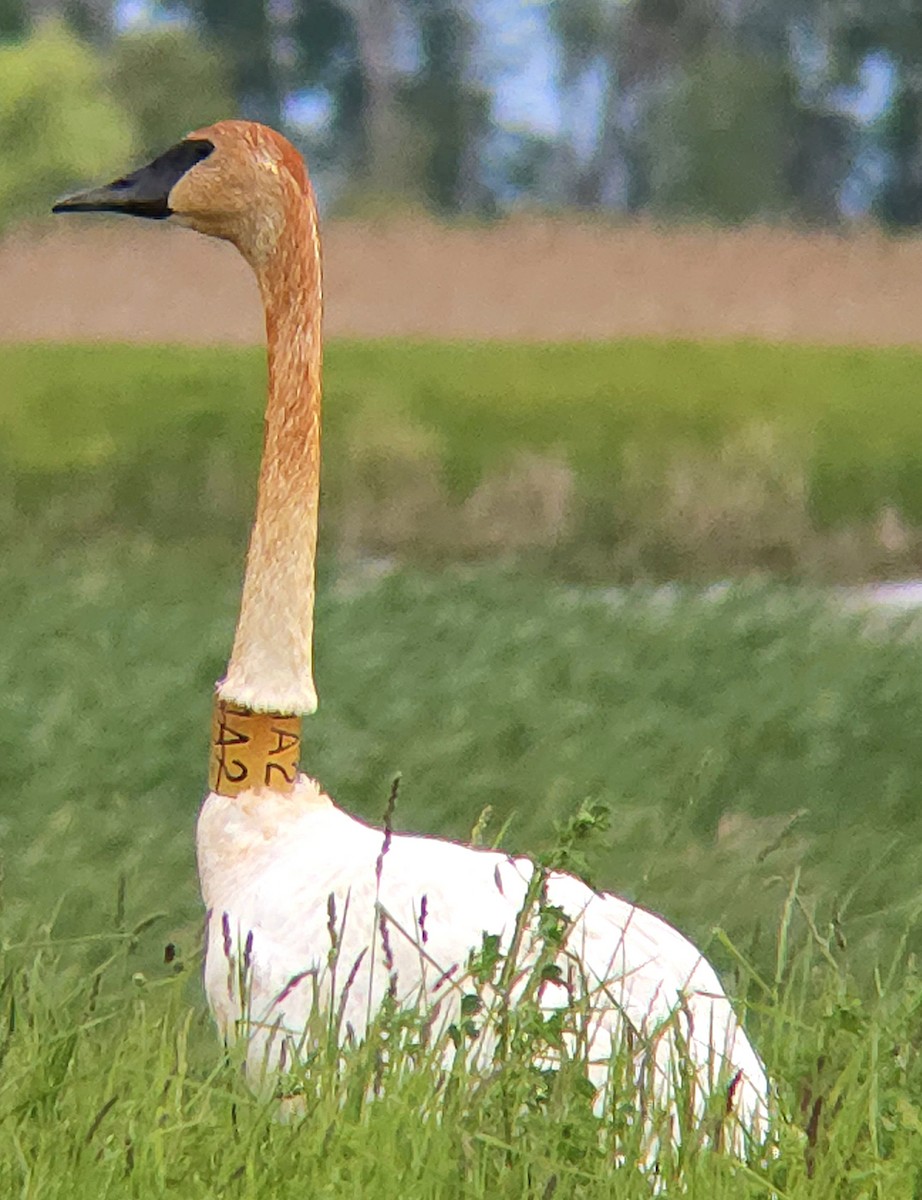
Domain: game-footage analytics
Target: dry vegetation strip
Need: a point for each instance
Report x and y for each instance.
(525, 279)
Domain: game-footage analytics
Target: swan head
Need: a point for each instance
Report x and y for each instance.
(236, 180)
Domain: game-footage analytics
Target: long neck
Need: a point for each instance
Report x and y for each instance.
(271, 668)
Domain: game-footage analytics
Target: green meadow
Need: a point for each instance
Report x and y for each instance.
(746, 762)
(629, 461)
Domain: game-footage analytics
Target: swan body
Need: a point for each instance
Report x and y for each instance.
(308, 906)
(275, 873)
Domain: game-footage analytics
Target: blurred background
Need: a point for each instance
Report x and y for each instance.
(543, 169)
(804, 111)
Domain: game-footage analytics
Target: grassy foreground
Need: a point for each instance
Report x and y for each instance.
(627, 460)
(705, 727)
(759, 755)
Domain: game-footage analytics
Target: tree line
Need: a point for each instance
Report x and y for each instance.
(727, 110)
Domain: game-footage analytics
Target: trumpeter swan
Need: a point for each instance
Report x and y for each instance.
(283, 870)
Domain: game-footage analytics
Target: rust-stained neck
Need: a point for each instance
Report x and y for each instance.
(271, 669)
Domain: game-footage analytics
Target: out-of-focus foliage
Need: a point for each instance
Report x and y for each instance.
(721, 136)
(169, 82)
(91, 19)
(12, 18)
(328, 65)
(449, 105)
(57, 123)
(805, 110)
(244, 33)
(896, 31)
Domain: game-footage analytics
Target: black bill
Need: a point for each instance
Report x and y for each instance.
(145, 192)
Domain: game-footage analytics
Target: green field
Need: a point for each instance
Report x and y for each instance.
(759, 755)
(630, 461)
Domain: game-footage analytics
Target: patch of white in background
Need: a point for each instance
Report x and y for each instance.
(517, 59)
(132, 16)
(904, 596)
(309, 110)
(869, 98)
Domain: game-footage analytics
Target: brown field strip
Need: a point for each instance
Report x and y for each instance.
(525, 279)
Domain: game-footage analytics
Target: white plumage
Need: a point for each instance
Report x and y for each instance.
(269, 867)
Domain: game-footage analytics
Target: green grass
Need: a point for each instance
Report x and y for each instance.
(624, 460)
(759, 754)
(703, 727)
